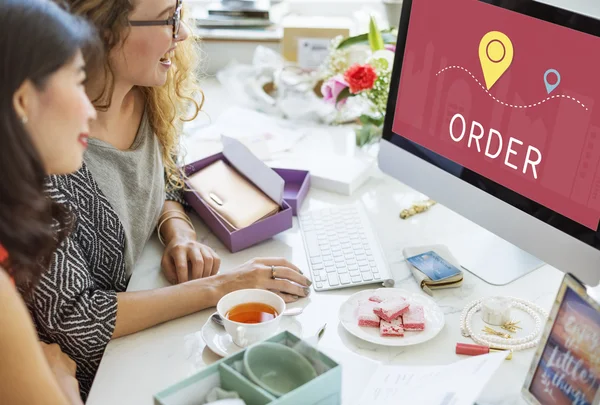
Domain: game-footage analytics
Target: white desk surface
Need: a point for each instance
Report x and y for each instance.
(136, 367)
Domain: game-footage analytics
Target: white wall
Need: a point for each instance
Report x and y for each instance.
(586, 7)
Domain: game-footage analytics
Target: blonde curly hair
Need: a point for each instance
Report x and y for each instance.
(168, 106)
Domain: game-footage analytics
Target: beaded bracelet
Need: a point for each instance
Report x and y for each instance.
(515, 344)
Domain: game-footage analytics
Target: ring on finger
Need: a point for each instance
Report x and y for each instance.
(273, 272)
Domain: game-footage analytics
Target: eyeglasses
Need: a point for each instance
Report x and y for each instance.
(175, 21)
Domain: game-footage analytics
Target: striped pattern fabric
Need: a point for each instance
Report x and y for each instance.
(75, 302)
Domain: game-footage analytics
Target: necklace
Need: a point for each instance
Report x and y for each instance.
(515, 344)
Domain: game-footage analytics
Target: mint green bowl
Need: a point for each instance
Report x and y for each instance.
(277, 368)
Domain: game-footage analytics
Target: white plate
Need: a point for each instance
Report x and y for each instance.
(434, 318)
(220, 342)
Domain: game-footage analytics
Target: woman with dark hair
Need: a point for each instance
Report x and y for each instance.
(44, 121)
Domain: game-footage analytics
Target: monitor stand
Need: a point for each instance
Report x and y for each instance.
(491, 258)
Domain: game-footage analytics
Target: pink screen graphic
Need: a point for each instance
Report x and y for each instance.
(540, 141)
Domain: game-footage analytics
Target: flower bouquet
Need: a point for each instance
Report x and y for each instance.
(360, 67)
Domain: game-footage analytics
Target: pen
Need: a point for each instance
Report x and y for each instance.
(475, 350)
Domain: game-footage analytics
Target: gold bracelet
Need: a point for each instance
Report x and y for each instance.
(416, 209)
(184, 218)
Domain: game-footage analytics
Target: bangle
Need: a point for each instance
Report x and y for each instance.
(184, 218)
(168, 211)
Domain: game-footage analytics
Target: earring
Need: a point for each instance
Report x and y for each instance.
(24, 119)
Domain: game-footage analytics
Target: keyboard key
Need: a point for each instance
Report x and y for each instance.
(318, 266)
(345, 278)
(342, 270)
(367, 276)
(316, 259)
(362, 263)
(376, 276)
(365, 268)
(329, 263)
(312, 245)
(331, 269)
(356, 279)
(354, 273)
(333, 279)
(352, 267)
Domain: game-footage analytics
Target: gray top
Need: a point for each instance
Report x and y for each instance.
(133, 182)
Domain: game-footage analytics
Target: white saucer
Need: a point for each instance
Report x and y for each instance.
(434, 318)
(220, 342)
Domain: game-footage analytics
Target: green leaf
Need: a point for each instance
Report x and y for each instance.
(375, 39)
(368, 120)
(367, 134)
(388, 36)
(344, 94)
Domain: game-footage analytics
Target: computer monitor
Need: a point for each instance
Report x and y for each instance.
(492, 113)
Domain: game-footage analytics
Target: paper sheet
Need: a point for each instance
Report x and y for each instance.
(265, 135)
(459, 383)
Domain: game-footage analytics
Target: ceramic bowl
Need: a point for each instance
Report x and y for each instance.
(277, 368)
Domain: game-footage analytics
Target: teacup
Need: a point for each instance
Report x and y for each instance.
(245, 334)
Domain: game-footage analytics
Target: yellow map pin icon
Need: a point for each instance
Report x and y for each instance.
(495, 54)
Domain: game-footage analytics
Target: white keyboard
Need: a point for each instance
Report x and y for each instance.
(342, 249)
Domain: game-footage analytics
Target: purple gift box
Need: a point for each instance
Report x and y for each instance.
(297, 184)
(296, 187)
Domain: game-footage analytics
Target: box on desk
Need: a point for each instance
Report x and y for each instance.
(286, 187)
(325, 389)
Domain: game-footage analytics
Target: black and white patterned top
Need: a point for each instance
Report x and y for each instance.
(75, 303)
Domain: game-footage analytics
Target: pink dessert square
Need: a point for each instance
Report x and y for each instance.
(376, 298)
(391, 309)
(414, 319)
(393, 328)
(366, 316)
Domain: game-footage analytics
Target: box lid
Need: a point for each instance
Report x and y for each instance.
(240, 157)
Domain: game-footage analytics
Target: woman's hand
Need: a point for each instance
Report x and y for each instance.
(186, 259)
(63, 368)
(288, 281)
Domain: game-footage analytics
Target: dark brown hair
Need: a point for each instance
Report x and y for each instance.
(37, 38)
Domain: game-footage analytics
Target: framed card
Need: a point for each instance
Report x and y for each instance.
(566, 366)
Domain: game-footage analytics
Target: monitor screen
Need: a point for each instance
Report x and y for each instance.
(501, 93)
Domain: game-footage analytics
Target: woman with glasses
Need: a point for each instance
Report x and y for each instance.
(129, 187)
(44, 122)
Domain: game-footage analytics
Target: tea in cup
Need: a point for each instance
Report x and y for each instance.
(251, 315)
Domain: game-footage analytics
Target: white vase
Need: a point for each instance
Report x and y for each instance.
(393, 9)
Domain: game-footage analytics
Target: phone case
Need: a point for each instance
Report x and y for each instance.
(426, 283)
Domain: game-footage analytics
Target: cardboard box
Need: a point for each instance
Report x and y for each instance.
(306, 38)
(337, 174)
(323, 390)
(266, 179)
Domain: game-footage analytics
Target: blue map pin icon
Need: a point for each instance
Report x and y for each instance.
(551, 87)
